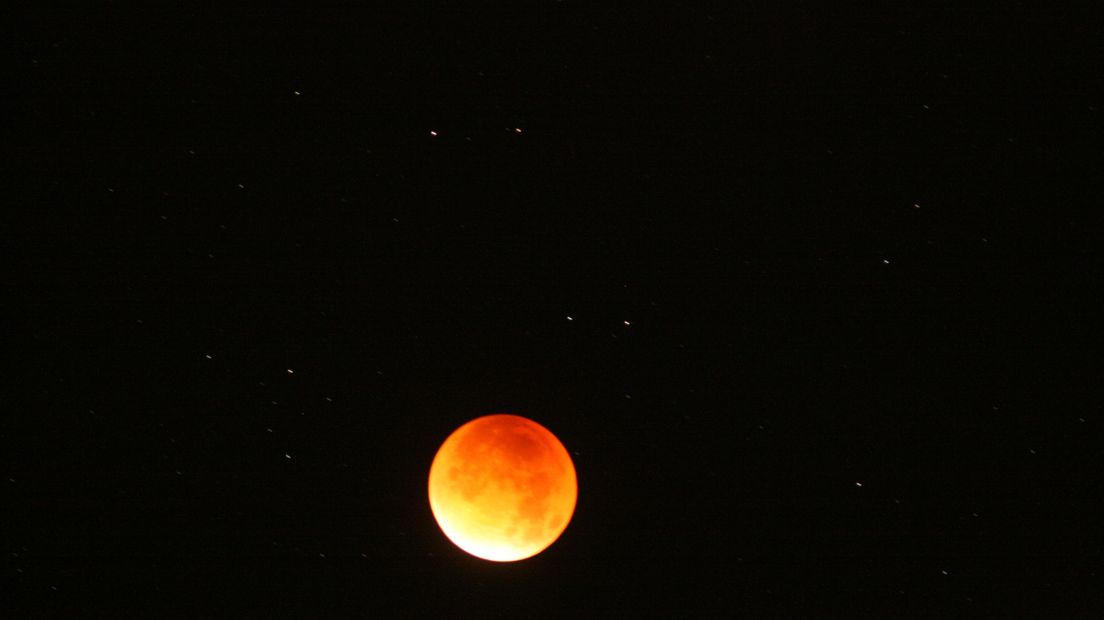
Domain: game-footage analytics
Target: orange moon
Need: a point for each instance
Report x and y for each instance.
(502, 488)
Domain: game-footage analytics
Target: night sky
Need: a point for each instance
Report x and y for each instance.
(809, 294)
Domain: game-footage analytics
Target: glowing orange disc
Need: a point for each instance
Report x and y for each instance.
(502, 488)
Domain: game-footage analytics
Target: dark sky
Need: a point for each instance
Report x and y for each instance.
(832, 275)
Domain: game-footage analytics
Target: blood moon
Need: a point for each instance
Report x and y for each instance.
(502, 487)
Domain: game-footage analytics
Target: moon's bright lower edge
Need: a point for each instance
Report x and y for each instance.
(502, 488)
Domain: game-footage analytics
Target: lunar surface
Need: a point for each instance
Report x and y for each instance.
(502, 488)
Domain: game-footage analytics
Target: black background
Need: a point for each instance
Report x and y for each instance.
(857, 251)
